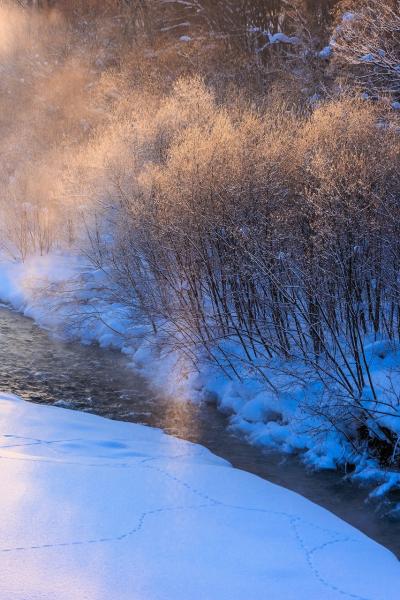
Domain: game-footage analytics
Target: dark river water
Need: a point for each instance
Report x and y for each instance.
(42, 369)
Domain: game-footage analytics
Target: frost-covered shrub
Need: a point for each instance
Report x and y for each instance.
(366, 39)
(260, 239)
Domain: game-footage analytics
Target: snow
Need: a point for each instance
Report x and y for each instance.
(279, 37)
(326, 52)
(273, 38)
(348, 16)
(102, 510)
(367, 58)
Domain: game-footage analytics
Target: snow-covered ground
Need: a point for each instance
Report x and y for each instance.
(63, 293)
(93, 509)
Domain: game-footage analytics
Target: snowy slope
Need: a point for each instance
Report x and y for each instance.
(92, 509)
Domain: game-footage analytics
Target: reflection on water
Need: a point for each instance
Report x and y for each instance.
(41, 369)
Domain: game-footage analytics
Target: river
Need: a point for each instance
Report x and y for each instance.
(40, 368)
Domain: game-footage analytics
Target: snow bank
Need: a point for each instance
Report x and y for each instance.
(64, 294)
(103, 510)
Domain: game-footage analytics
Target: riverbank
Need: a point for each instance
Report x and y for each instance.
(121, 510)
(40, 368)
(65, 295)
